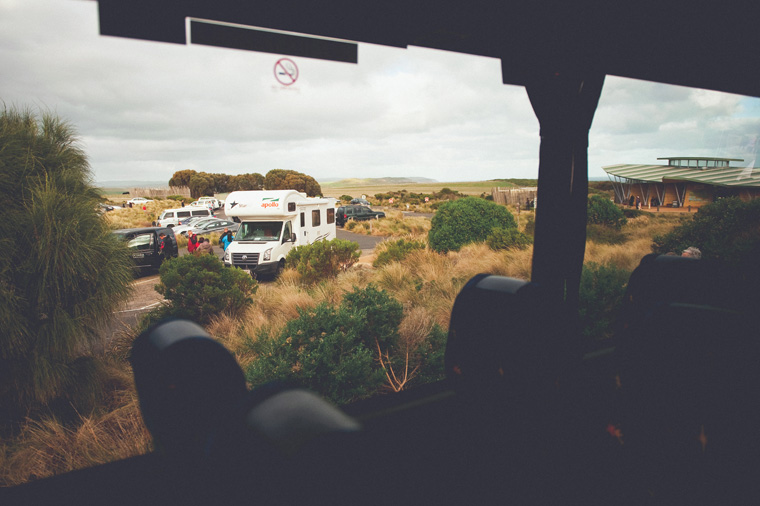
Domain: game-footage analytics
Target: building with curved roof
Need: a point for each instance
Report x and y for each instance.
(684, 181)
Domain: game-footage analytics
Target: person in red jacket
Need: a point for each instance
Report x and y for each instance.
(192, 242)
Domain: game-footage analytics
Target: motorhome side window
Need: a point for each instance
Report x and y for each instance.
(303, 220)
(315, 221)
(330, 216)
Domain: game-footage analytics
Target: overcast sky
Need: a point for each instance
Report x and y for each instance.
(144, 110)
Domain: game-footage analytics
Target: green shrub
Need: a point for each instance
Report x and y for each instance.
(728, 229)
(321, 350)
(507, 238)
(430, 355)
(348, 352)
(198, 287)
(395, 251)
(466, 220)
(382, 312)
(332, 350)
(601, 292)
(346, 198)
(323, 259)
(602, 211)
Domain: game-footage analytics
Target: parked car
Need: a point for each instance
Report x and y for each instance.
(182, 229)
(210, 201)
(144, 246)
(195, 219)
(174, 217)
(104, 208)
(354, 212)
(138, 201)
(214, 226)
(208, 204)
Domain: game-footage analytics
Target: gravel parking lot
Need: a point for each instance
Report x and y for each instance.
(145, 297)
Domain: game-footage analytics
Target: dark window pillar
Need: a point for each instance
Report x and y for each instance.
(564, 103)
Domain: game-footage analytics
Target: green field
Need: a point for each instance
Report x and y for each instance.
(358, 187)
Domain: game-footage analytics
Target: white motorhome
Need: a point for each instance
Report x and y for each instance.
(272, 222)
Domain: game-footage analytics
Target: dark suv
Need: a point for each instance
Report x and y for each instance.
(143, 243)
(357, 213)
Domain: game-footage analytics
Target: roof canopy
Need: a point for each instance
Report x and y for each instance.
(736, 177)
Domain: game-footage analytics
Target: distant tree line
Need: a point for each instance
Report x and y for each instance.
(205, 183)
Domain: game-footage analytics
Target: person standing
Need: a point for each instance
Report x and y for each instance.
(161, 243)
(192, 242)
(204, 246)
(226, 239)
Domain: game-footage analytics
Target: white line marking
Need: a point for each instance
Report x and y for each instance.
(141, 308)
(144, 281)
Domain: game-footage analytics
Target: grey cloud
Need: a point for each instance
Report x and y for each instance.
(146, 109)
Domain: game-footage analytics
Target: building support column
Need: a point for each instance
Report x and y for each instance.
(564, 103)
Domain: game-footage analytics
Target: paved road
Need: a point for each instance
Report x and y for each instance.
(367, 243)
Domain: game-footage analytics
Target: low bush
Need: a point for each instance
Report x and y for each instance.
(507, 238)
(346, 198)
(198, 287)
(602, 211)
(347, 352)
(323, 259)
(728, 229)
(466, 220)
(395, 251)
(601, 292)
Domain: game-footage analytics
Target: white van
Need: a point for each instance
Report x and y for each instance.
(172, 217)
(272, 223)
(210, 202)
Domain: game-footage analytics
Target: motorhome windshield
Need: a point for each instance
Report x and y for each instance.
(259, 231)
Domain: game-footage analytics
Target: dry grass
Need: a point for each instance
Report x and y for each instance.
(46, 447)
(426, 283)
(135, 217)
(415, 326)
(395, 224)
(639, 232)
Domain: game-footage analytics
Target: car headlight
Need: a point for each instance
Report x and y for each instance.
(268, 255)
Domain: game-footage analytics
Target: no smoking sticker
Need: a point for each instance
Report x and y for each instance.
(286, 71)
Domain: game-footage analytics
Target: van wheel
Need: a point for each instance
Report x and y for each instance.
(280, 268)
